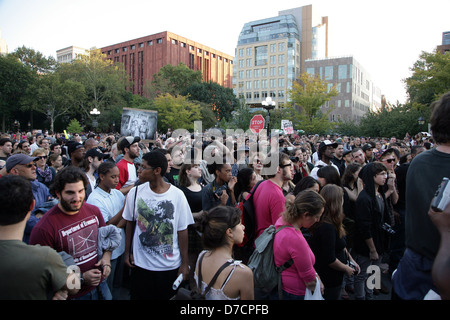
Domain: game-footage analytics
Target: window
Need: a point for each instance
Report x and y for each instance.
(160, 40)
(264, 72)
(273, 83)
(280, 93)
(281, 58)
(256, 84)
(310, 71)
(174, 41)
(273, 48)
(141, 45)
(248, 74)
(183, 45)
(273, 59)
(281, 71)
(261, 56)
(249, 51)
(264, 84)
(256, 73)
(256, 95)
(281, 83)
(281, 46)
(342, 72)
(249, 62)
(329, 73)
(132, 47)
(150, 43)
(248, 85)
(124, 49)
(273, 71)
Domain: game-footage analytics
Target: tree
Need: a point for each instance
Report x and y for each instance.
(430, 78)
(173, 80)
(222, 100)
(104, 84)
(54, 96)
(176, 112)
(35, 60)
(308, 95)
(74, 126)
(14, 79)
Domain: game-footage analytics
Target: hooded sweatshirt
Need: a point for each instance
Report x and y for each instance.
(370, 214)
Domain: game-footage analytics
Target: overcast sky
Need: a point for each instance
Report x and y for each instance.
(385, 36)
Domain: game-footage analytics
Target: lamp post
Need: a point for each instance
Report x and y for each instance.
(95, 113)
(268, 105)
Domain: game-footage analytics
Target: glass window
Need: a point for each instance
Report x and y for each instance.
(273, 48)
(256, 84)
(273, 59)
(310, 71)
(256, 72)
(342, 71)
(261, 56)
(329, 73)
(281, 71)
(272, 71)
(281, 46)
(264, 72)
(281, 58)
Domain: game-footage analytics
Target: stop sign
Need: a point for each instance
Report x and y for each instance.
(257, 123)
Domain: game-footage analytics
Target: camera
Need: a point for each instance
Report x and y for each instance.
(295, 159)
(387, 227)
(218, 191)
(353, 266)
(442, 196)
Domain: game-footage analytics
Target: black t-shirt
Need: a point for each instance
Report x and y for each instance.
(327, 247)
(194, 198)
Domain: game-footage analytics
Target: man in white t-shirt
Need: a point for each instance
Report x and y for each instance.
(156, 246)
(326, 154)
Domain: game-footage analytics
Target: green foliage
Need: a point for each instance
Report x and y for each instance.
(74, 126)
(222, 100)
(308, 95)
(176, 112)
(173, 80)
(430, 78)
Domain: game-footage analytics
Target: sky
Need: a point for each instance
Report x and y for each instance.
(385, 36)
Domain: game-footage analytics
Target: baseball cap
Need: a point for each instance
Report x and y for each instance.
(346, 152)
(367, 146)
(72, 146)
(96, 152)
(128, 141)
(19, 158)
(327, 143)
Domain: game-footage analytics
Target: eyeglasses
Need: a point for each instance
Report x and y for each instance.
(42, 157)
(389, 160)
(286, 165)
(30, 165)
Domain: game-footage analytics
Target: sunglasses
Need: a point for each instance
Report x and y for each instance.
(30, 165)
(42, 157)
(286, 165)
(389, 160)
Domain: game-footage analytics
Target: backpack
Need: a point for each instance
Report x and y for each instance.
(266, 274)
(248, 218)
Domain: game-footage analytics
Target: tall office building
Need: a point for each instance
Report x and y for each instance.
(143, 57)
(445, 47)
(270, 53)
(357, 94)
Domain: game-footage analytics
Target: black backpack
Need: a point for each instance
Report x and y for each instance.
(248, 214)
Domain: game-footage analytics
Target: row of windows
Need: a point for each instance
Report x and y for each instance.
(159, 41)
(263, 84)
(262, 60)
(247, 74)
(273, 48)
(262, 95)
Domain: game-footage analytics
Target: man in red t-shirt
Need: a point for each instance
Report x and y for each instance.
(72, 226)
(127, 170)
(269, 199)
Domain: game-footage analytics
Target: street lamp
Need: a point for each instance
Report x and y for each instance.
(421, 121)
(268, 105)
(95, 113)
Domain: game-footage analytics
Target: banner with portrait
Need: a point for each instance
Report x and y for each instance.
(139, 123)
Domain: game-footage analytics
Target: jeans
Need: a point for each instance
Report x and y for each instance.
(362, 292)
(101, 292)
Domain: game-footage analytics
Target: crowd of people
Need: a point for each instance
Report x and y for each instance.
(117, 207)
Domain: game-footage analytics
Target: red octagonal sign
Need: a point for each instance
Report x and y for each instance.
(257, 123)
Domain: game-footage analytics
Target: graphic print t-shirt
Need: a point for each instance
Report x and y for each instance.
(158, 218)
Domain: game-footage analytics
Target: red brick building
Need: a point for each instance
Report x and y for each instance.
(143, 57)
